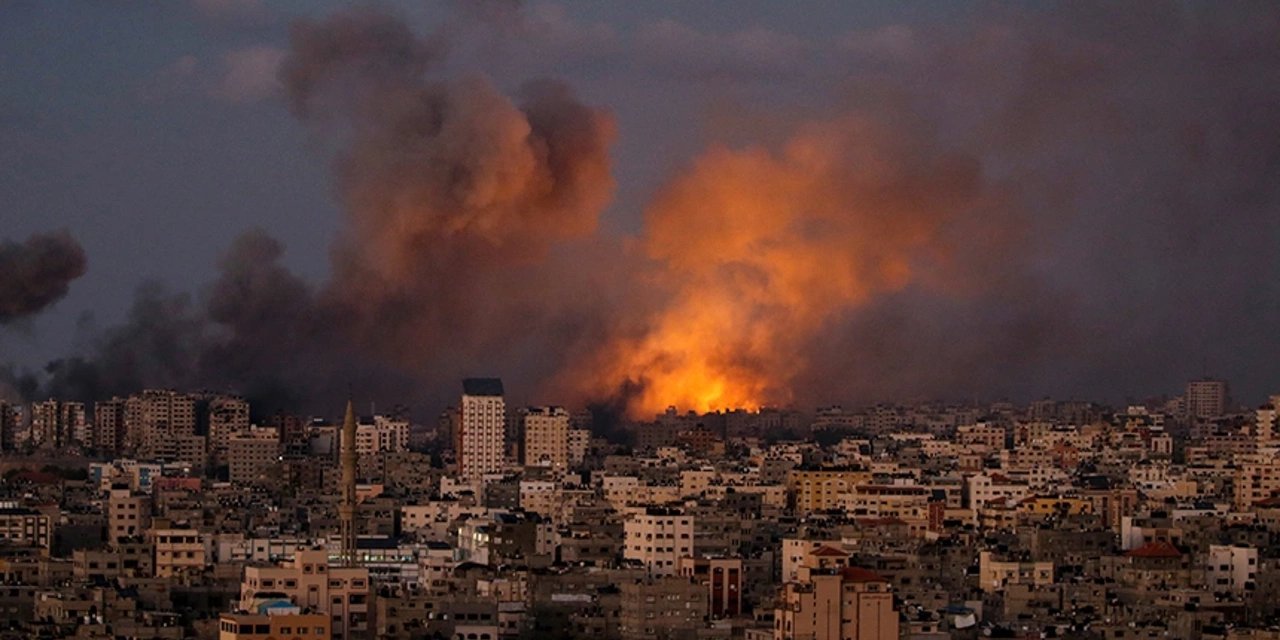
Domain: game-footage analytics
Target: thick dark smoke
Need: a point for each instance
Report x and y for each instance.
(1116, 236)
(466, 210)
(1141, 149)
(160, 340)
(36, 273)
(1077, 199)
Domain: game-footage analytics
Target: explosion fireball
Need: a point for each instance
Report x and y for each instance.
(756, 250)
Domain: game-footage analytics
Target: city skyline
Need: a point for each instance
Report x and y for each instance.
(176, 516)
(489, 414)
(660, 320)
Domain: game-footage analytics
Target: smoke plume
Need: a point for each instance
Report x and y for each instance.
(760, 249)
(1074, 200)
(463, 204)
(1041, 202)
(36, 273)
(466, 210)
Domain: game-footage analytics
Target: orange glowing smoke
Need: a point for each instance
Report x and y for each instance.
(756, 250)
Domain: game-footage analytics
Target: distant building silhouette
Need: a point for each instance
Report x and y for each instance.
(1205, 399)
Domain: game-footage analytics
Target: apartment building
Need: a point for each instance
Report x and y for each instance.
(830, 600)
(546, 437)
(309, 581)
(823, 489)
(658, 538)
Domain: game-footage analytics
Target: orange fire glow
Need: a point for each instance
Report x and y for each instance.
(759, 250)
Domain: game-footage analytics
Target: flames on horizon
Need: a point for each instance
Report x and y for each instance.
(757, 250)
(948, 225)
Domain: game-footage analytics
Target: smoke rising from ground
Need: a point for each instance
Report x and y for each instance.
(1075, 200)
(761, 248)
(465, 207)
(467, 211)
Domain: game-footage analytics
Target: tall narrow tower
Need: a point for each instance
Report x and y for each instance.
(347, 510)
(481, 440)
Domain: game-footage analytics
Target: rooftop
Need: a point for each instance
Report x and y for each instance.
(1158, 549)
(858, 574)
(832, 552)
(482, 386)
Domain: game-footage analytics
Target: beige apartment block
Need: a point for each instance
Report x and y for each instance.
(830, 600)
(309, 581)
(178, 552)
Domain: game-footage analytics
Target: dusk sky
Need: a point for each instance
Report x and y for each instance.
(708, 204)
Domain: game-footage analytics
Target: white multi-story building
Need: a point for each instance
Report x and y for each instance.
(384, 435)
(481, 435)
(659, 537)
(984, 488)
(1264, 423)
(393, 434)
(1231, 568)
(546, 437)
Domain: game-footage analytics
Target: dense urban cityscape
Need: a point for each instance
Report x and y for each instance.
(674, 320)
(168, 514)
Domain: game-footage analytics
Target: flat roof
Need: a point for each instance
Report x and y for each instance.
(482, 386)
